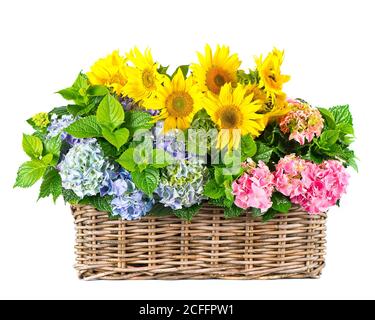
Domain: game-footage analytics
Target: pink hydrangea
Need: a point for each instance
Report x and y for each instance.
(303, 122)
(314, 187)
(254, 188)
(325, 184)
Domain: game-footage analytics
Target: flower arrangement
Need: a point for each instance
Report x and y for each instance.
(136, 140)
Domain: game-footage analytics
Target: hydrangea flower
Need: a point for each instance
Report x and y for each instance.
(182, 184)
(132, 206)
(83, 168)
(58, 125)
(325, 184)
(117, 183)
(254, 188)
(130, 105)
(172, 142)
(303, 122)
(314, 187)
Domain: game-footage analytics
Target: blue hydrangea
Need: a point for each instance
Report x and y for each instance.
(58, 125)
(172, 142)
(182, 184)
(83, 168)
(132, 206)
(117, 183)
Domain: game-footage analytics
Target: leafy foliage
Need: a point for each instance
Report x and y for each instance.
(187, 213)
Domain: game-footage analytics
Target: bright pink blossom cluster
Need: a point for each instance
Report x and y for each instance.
(314, 187)
(302, 122)
(254, 188)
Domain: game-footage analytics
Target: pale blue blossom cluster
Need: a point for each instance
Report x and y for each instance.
(58, 125)
(182, 184)
(172, 142)
(128, 202)
(83, 168)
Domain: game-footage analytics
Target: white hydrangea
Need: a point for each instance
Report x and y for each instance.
(82, 169)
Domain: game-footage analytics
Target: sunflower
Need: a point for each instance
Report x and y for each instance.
(213, 71)
(273, 105)
(143, 77)
(178, 101)
(269, 72)
(234, 112)
(109, 71)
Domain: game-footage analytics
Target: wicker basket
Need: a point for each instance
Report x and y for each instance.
(209, 247)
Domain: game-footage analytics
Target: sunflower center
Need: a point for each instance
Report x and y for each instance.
(216, 77)
(230, 117)
(148, 79)
(179, 104)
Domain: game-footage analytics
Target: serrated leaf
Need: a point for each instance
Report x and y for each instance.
(110, 113)
(263, 153)
(74, 109)
(328, 118)
(188, 213)
(86, 127)
(70, 196)
(147, 181)
(233, 212)
(281, 203)
(97, 91)
(213, 190)
(108, 149)
(117, 138)
(328, 138)
(342, 114)
(136, 120)
(100, 203)
(59, 111)
(69, 93)
(47, 159)
(269, 215)
(53, 146)
(29, 173)
(33, 146)
(51, 185)
(127, 161)
(248, 147)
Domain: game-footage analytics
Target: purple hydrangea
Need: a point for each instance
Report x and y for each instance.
(132, 206)
(172, 142)
(117, 183)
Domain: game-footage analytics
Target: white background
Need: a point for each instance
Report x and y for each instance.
(330, 54)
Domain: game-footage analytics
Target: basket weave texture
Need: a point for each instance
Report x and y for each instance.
(209, 247)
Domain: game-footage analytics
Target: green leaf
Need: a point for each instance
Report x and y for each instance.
(159, 210)
(117, 138)
(269, 215)
(51, 184)
(328, 117)
(47, 159)
(126, 160)
(33, 146)
(248, 147)
(110, 113)
(59, 111)
(328, 138)
(100, 203)
(263, 153)
(213, 190)
(184, 69)
(74, 109)
(136, 120)
(255, 212)
(69, 93)
(29, 173)
(147, 181)
(233, 212)
(219, 175)
(108, 149)
(97, 91)
(342, 114)
(53, 146)
(161, 159)
(70, 196)
(86, 127)
(345, 128)
(81, 82)
(188, 213)
(281, 203)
